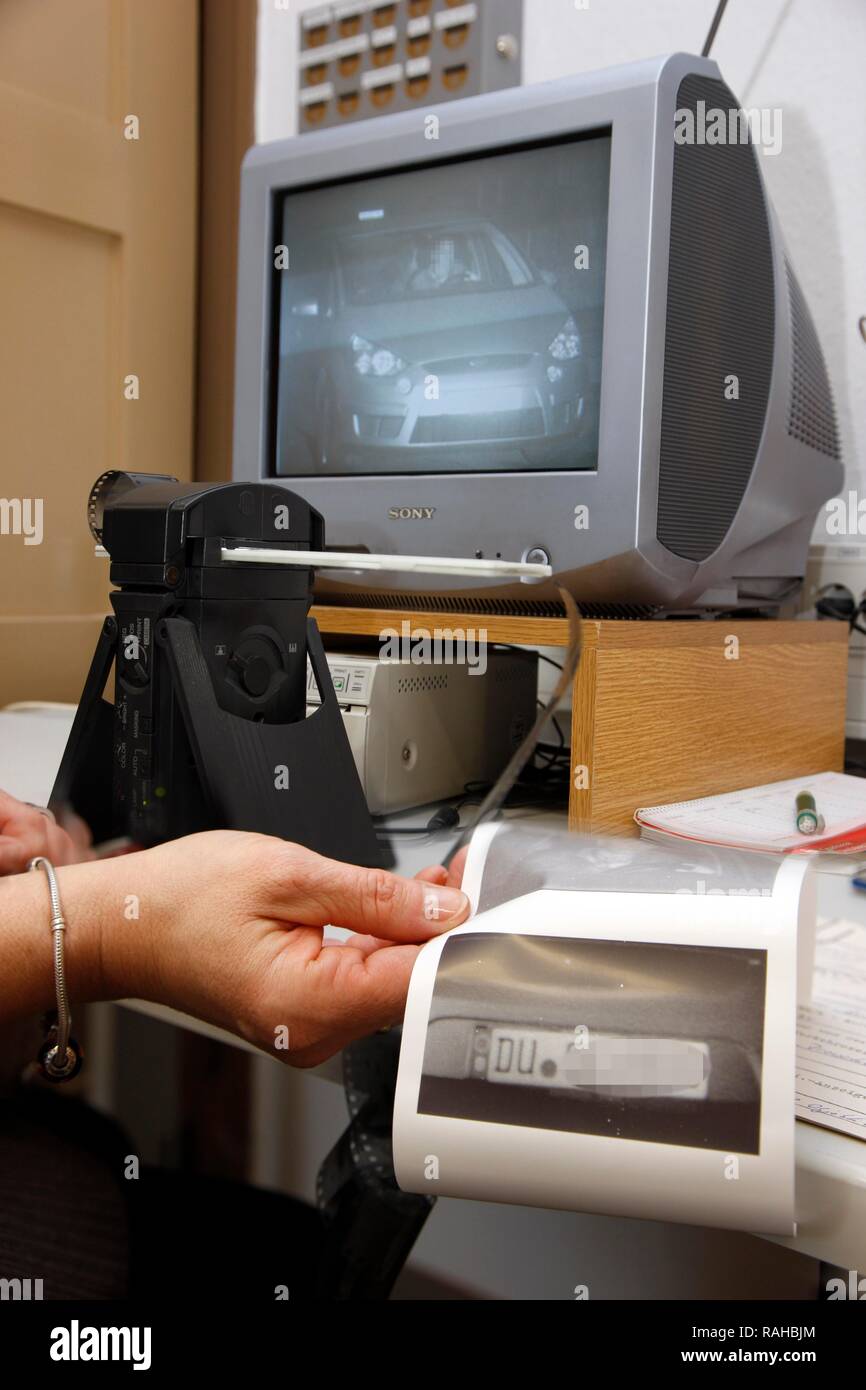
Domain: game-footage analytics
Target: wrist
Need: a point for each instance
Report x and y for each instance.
(27, 986)
(111, 928)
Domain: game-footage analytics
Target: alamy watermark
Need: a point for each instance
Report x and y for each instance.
(442, 647)
(715, 126)
(846, 516)
(21, 1290)
(22, 516)
(77, 1343)
(702, 891)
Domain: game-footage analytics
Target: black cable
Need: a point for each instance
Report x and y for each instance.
(545, 754)
(559, 749)
(535, 793)
(550, 661)
(842, 610)
(717, 19)
(446, 818)
(779, 597)
(551, 759)
(542, 748)
(510, 647)
(496, 797)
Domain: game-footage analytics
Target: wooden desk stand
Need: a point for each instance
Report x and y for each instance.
(667, 711)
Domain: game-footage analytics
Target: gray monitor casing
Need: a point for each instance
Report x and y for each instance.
(689, 507)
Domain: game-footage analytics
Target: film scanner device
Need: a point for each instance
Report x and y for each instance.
(208, 727)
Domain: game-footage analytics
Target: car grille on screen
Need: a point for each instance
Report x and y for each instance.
(492, 362)
(461, 429)
(378, 426)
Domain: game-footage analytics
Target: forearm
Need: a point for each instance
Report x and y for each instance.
(107, 951)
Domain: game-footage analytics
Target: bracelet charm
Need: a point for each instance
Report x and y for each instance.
(60, 1057)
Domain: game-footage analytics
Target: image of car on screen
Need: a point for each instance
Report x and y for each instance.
(430, 348)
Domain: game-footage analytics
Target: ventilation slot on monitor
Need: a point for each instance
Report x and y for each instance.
(720, 323)
(811, 416)
(491, 607)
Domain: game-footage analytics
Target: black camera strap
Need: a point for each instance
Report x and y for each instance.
(370, 1224)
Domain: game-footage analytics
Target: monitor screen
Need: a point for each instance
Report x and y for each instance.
(444, 319)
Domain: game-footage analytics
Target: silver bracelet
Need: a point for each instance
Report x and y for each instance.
(60, 1056)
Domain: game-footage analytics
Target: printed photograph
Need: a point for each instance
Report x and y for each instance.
(627, 1039)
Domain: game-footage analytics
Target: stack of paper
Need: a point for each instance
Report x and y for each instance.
(764, 818)
(831, 1034)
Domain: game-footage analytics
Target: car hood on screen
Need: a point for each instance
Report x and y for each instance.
(446, 326)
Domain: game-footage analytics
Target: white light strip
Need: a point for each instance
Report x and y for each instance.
(355, 9)
(315, 19)
(381, 77)
(417, 28)
(348, 48)
(311, 96)
(394, 564)
(380, 38)
(418, 67)
(451, 19)
(343, 48)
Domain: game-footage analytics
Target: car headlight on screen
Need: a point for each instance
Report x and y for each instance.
(566, 345)
(373, 360)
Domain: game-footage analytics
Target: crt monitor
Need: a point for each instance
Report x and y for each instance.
(556, 323)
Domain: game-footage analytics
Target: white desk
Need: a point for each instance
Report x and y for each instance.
(831, 1168)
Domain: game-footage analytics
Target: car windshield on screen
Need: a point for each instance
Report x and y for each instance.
(388, 266)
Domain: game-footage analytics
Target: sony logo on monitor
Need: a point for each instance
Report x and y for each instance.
(411, 513)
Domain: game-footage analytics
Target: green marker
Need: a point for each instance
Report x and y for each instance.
(808, 820)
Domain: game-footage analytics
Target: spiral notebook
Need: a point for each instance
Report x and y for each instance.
(763, 818)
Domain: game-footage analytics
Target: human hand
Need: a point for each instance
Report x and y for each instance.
(230, 929)
(27, 831)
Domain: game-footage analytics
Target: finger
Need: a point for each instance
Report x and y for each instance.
(371, 901)
(39, 835)
(457, 867)
(33, 835)
(372, 992)
(41, 839)
(437, 873)
(9, 806)
(21, 813)
(14, 856)
(30, 833)
(20, 820)
(350, 995)
(364, 944)
(78, 832)
(60, 850)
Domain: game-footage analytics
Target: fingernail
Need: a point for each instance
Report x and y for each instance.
(443, 905)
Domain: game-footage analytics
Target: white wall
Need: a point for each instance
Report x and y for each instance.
(805, 58)
(276, 74)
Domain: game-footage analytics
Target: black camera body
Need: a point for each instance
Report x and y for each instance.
(208, 726)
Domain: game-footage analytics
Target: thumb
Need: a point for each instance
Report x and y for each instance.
(374, 902)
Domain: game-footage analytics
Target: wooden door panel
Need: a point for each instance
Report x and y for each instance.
(61, 50)
(97, 282)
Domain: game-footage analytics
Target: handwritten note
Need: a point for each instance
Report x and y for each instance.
(831, 1033)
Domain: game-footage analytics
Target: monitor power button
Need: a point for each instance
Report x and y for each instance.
(536, 555)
